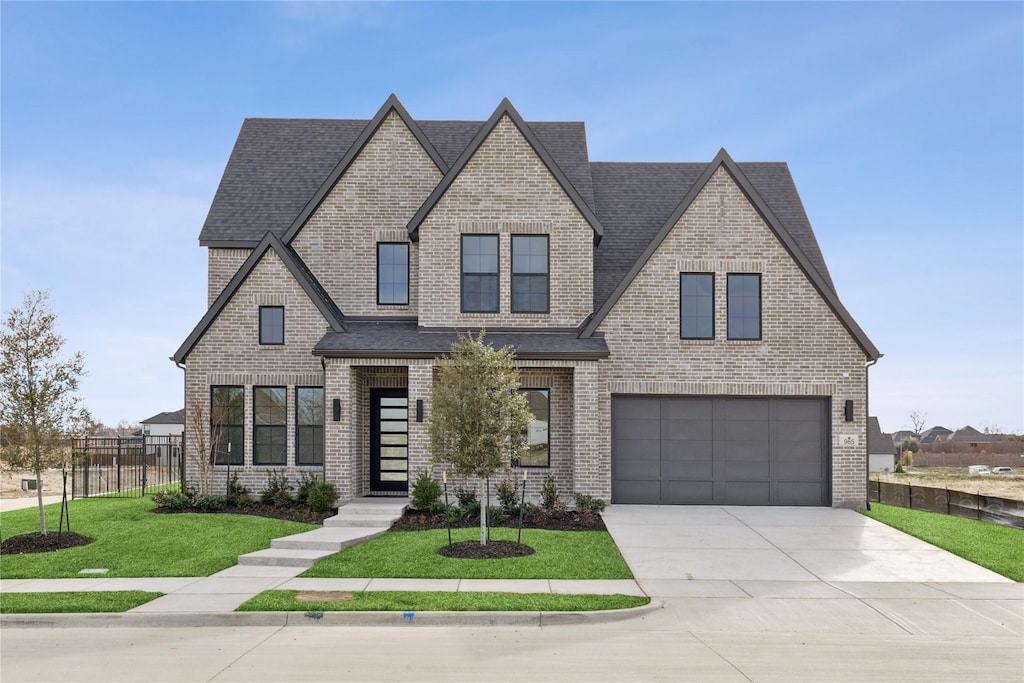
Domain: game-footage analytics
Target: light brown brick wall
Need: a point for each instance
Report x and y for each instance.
(804, 351)
(222, 264)
(505, 189)
(372, 202)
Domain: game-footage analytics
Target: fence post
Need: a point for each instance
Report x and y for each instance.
(910, 497)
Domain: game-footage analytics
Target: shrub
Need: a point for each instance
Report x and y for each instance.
(467, 497)
(549, 493)
(495, 516)
(583, 501)
(245, 500)
(425, 492)
(278, 490)
(172, 500)
(306, 482)
(508, 495)
(208, 503)
(471, 510)
(321, 496)
(439, 508)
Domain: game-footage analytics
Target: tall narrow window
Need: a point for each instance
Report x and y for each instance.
(270, 428)
(744, 294)
(538, 452)
(272, 325)
(479, 273)
(227, 424)
(392, 274)
(697, 305)
(529, 273)
(309, 426)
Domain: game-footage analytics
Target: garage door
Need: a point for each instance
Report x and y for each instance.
(720, 451)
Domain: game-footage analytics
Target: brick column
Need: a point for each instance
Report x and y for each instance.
(338, 451)
(421, 384)
(591, 444)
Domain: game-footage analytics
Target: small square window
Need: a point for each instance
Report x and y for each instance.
(272, 325)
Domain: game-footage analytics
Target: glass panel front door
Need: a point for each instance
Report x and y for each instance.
(389, 440)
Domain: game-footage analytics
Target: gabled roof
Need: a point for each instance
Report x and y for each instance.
(298, 269)
(391, 104)
(936, 433)
(789, 242)
(506, 109)
(969, 434)
(877, 441)
(174, 417)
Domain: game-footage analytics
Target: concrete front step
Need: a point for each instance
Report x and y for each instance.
(326, 538)
(360, 521)
(276, 557)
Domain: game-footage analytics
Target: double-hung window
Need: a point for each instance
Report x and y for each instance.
(272, 325)
(479, 273)
(529, 273)
(744, 302)
(697, 305)
(227, 424)
(270, 426)
(538, 451)
(392, 274)
(309, 425)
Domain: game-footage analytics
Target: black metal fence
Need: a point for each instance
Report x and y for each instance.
(126, 466)
(949, 502)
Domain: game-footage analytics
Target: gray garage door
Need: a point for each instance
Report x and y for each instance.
(721, 451)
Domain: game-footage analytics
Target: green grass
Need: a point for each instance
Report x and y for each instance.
(995, 547)
(413, 554)
(131, 541)
(80, 601)
(437, 601)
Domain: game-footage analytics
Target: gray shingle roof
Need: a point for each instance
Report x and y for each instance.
(877, 441)
(173, 417)
(403, 339)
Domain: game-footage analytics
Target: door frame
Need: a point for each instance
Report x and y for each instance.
(376, 485)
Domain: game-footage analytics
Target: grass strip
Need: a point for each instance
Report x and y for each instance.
(995, 547)
(131, 541)
(77, 601)
(413, 555)
(439, 601)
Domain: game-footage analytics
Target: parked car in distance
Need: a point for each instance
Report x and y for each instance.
(979, 469)
(1002, 470)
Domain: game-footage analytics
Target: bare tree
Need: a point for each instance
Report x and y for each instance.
(204, 442)
(918, 420)
(40, 409)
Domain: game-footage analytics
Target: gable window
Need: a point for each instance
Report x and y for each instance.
(696, 305)
(271, 325)
(227, 424)
(309, 425)
(269, 440)
(538, 452)
(529, 273)
(744, 302)
(479, 273)
(392, 274)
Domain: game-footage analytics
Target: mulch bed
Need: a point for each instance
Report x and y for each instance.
(536, 518)
(37, 543)
(494, 550)
(290, 514)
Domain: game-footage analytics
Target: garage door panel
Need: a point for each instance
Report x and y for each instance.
(637, 492)
(747, 493)
(743, 409)
(648, 428)
(809, 410)
(739, 470)
(635, 408)
(743, 430)
(684, 430)
(687, 493)
(804, 473)
(686, 409)
(687, 450)
(797, 431)
(809, 493)
(687, 470)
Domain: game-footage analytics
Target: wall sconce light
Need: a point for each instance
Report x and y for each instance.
(849, 410)
(419, 410)
(336, 409)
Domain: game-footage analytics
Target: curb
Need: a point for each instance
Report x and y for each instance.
(281, 619)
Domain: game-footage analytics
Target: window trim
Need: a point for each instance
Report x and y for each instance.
(496, 274)
(218, 461)
(322, 427)
(713, 316)
(760, 308)
(256, 428)
(271, 343)
(408, 267)
(546, 274)
(548, 465)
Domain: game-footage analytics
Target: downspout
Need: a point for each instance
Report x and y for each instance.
(184, 426)
(867, 413)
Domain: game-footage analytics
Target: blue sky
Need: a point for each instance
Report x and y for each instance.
(901, 123)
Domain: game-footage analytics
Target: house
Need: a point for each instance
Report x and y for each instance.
(904, 435)
(170, 423)
(973, 438)
(936, 433)
(881, 450)
(675, 324)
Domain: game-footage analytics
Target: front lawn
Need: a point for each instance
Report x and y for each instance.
(413, 555)
(131, 541)
(437, 601)
(995, 547)
(79, 601)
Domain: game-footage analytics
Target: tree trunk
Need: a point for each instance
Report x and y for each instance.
(39, 498)
(483, 511)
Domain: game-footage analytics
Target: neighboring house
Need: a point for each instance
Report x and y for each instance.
(973, 438)
(904, 435)
(934, 434)
(165, 424)
(881, 450)
(675, 324)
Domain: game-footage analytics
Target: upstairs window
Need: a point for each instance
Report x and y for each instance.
(227, 424)
(392, 274)
(309, 426)
(529, 273)
(272, 325)
(744, 302)
(696, 305)
(270, 410)
(479, 273)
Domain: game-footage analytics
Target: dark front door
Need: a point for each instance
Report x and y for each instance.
(389, 440)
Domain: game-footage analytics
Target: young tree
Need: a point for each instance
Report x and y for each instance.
(39, 406)
(478, 417)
